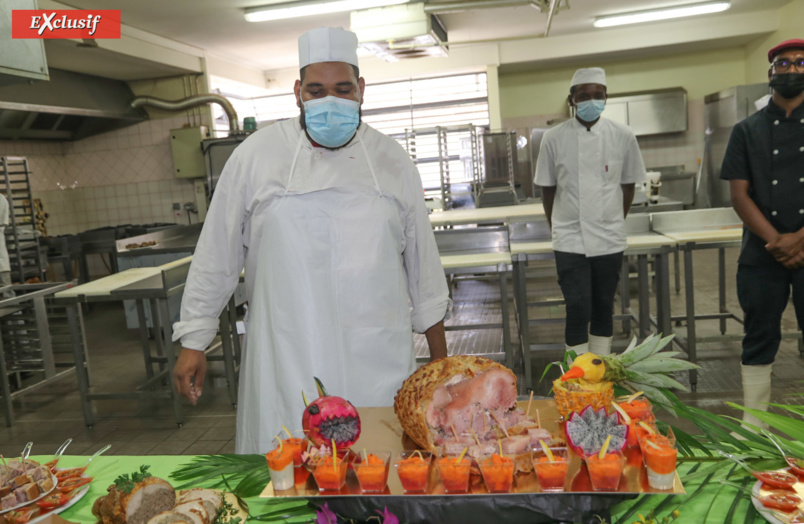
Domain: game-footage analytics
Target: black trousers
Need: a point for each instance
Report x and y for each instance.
(588, 285)
(763, 292)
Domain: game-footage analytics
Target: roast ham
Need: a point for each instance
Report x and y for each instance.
(464, 395)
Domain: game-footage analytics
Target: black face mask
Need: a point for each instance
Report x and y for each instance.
(789, 85)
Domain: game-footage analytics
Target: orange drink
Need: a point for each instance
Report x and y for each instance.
(280, 465)
(551, 472)
(605, 473)
(413, 468)
(372, 471)
(297, 443)
(638, 409)
(454, 473)
(329, 473)
(498, 472)
(660, 460)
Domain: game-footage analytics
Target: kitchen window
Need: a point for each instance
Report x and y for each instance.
(394, 108)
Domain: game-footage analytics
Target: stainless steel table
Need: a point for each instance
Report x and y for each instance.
(531, 242)
(155, 285)
(486, 215)
(693, 230)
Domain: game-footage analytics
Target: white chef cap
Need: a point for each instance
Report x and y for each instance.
(327, 44)
(590, 75)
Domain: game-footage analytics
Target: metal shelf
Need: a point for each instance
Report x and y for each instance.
(22, 239)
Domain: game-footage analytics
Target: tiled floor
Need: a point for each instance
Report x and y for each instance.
(52, 413)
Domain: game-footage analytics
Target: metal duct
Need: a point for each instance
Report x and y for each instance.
(458, 7)
(191, 102)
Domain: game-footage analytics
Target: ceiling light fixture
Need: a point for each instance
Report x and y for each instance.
(661, 14)
(299, 9)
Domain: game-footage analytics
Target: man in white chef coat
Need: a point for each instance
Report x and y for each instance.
(328, 217)
(587, 170)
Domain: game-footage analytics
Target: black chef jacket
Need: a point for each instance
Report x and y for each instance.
(767, 149)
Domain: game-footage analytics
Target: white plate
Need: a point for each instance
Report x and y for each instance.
(18, 506)
(73, 500)
(771, 516)
(765, 512)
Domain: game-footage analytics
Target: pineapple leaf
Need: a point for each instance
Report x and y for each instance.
(649, 347)
(662, 365)
(656, 380)
(631, 346)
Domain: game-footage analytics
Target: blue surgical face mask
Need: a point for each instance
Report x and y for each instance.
(590, 110)
(331, 121)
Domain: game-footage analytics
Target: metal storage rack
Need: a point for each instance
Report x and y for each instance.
(36, 344)
(495, 185)
(22, 237)
(412, 138)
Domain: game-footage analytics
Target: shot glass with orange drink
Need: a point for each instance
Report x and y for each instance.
(454, 472)
(660, 461)
(605, 470)
(634, 410)
(280, 465)
(498, 472)
(297, 441)
(329, 471)
(551, 466)
(371, 469)
(413, 468)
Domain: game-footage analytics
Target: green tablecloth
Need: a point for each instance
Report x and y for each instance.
(711, 506)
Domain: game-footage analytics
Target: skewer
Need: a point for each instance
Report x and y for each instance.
(485, 426)
(472, 420)
(530, 400)
(476, 439)
(538, 418)
(4, 461)
(454, 432)
(499, 424)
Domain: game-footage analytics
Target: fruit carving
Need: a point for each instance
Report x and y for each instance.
(330, 418)
(641, 367)
(587, 432)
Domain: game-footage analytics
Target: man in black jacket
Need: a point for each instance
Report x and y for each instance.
(764, 165)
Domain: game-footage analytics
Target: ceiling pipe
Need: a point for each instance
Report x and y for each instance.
(553, 6)
(458, 7)
(191, 102)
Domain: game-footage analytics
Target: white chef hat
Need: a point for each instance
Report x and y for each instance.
(589, 75)
(327, 44)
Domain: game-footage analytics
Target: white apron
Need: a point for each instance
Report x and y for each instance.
(330, 301)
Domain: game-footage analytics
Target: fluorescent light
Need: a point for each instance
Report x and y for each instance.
(299, 9)
(662, 14)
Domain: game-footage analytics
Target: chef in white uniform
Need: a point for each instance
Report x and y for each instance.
(587, 170)
(341, 265)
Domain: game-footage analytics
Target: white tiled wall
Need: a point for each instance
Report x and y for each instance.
(121, 177)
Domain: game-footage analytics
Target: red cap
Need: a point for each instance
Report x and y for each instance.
(795, 43)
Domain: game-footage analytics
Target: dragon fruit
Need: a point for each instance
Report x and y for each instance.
(330, 418)
(587, 431)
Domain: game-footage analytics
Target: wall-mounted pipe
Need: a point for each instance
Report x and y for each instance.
(191, 102)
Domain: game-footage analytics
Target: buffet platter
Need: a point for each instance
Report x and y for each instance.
(773, 516)
(382, 431)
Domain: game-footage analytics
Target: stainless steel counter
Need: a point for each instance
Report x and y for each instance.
(174, 240)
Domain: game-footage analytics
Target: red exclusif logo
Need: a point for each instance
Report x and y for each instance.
(65, 23)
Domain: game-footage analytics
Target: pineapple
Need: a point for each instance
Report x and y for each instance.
(639, 368)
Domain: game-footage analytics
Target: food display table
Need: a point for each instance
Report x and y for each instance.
(381, 431)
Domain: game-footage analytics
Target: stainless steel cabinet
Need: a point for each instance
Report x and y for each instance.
(650, 113)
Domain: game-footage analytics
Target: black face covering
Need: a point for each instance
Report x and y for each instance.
(789, 85)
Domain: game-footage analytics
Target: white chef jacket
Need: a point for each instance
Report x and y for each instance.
(255, 175)
(5, 218)
(587, 167)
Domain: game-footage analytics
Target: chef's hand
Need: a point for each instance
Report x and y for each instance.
(189, 373)
(787, 248)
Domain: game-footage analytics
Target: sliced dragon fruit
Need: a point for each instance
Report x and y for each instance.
(587, 432)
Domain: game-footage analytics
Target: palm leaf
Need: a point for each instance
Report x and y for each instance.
(792, 427)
